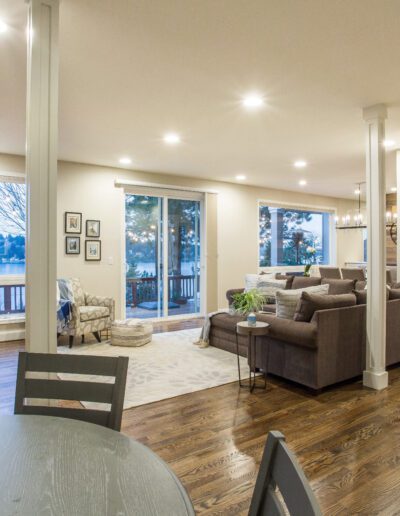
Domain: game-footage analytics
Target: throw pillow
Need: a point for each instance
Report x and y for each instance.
(339, 286)
(310, 303)
(289, 280)
(268, 288)
(286, 300)
(251, 280)
(300, 282)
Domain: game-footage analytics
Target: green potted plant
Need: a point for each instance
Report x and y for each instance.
(246, 302)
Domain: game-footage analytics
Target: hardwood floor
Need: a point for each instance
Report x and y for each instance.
(347, 439)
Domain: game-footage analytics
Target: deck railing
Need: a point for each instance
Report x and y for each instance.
(12, 298)
(180, 289)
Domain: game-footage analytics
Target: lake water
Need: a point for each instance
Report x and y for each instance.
(12, 268)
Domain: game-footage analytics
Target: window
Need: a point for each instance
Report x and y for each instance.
(292, 236)
(12, 226)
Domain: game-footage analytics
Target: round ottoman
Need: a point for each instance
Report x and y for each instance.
(131, 332)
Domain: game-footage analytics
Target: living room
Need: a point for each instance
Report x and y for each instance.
(152, 208)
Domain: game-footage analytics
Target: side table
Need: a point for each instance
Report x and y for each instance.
(252, 331)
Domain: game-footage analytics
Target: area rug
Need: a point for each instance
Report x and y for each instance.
(168, 366)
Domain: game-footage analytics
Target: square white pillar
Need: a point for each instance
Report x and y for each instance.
(375, 375)
(41, 175)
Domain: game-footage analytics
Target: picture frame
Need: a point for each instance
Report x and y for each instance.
(93, 228)
(92, 250)
(73, 222)
(72, 245)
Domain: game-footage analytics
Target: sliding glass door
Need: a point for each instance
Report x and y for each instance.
(163, 250)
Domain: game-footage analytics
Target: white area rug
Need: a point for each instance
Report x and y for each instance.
(169, 366)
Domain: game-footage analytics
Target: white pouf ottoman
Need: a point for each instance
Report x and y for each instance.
(131, 332)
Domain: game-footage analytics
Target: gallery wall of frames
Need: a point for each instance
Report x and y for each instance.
(73, 231)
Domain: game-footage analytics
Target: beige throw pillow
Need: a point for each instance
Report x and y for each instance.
(286, 300)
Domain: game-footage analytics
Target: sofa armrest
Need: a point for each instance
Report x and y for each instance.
(231, 292)
(109, 302)
(286, 330)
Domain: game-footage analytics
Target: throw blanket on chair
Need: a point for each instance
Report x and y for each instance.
(203, 340)
(64, 309)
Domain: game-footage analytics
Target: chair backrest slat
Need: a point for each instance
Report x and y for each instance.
(58, 389)
(279, 469)
(85, 364)
(330, 272)
(69, 390)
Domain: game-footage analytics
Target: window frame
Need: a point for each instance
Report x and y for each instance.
(330, 210)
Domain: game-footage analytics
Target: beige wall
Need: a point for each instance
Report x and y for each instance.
(90, 189)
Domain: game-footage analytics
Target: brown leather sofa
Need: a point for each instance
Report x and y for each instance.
(316, 354)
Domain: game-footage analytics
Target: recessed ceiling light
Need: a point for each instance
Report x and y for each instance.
(388, 143)
(3, 26)
(393, 189)
(125, 161)
(300, 163)
(241, 177)
(357, 191)
(302, 182)
(253, 101)
(172, 138)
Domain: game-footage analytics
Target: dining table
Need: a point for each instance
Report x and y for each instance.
(58, 466)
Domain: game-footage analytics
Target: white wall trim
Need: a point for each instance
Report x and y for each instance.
(9, 335)
(129, 183)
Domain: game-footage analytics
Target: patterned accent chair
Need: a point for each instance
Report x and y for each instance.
(90, 314)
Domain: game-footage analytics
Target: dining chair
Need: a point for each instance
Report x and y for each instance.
(330, 272)
(353, 273)
(51, 387)
(281, 486)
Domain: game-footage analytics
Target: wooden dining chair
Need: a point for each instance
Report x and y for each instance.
(281, 486)
(330, 272)
(353, 273)
(48, 388)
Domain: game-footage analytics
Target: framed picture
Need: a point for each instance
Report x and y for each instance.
(73, 222)
(72, 245)
(93, 228)
(93, 250)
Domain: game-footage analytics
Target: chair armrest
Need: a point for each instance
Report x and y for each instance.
(109, 302)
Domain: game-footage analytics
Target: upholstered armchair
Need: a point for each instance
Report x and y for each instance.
(89, 313)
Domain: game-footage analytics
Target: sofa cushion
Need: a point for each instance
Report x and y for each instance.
(304, 282)
(286, 300)
(339, 286)
(310, 303)
(269, 287)
(90, 313)
(298, 333)
(289, 280)
(361, 296)
(251, 281)
(227, 321)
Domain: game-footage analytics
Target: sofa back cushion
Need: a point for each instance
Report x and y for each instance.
(361, 295)
(339, 286)
(310, 303)
(286, 300)
(305, 282)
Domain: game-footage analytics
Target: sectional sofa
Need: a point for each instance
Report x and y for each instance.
(327, 350)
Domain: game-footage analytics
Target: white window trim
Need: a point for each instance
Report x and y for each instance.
(331, 210)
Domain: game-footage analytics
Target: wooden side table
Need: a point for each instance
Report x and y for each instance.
(252, 331)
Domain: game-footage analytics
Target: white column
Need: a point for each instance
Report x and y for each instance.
(375, 375)
(41, 175)
(398, 211)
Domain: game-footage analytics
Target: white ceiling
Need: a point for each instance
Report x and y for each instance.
(131, 70)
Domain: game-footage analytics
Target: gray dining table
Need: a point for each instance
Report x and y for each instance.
(51, 465)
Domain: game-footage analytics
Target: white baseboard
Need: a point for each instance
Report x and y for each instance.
(376, 380)
(8, 335)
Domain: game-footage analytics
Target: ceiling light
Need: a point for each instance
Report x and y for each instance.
(125, 161)
(253, 101)
(172, 138)
(300, 163)
(393, 189)
(3, 26)
(357, 191)
(241, 177)
(302, 182)
(388, 143)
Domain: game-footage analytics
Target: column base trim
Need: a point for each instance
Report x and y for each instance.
(375, 380)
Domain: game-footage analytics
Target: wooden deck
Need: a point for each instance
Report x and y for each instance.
(347, 439)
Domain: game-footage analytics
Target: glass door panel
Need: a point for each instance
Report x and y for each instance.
(183, 256)
(143, 250)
